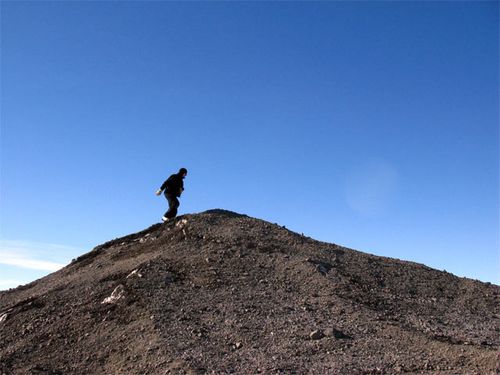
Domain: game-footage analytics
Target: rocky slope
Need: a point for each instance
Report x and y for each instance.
(219, 292)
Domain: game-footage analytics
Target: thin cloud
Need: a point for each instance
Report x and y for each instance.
(34, 264)
(35, 255)
(9, 283)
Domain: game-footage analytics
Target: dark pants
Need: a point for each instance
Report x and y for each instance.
(173, 204)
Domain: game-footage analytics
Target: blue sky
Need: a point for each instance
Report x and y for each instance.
(373, 125)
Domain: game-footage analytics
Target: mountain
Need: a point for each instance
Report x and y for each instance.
(219, 292)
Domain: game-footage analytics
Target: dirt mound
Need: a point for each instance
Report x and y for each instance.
(219, 292)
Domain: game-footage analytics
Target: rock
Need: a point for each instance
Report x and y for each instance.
(321, 269)
(117, 294)
(3, 318)
(238, 345)
(135, 273)
(182, 223)
(333, 332)
(316, 335)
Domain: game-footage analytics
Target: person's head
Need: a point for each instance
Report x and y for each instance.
(183, 172)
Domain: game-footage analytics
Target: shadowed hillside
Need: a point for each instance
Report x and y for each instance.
(219, 292)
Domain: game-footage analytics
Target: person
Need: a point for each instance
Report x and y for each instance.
(173, 188)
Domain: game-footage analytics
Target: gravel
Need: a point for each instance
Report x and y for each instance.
(219, 292)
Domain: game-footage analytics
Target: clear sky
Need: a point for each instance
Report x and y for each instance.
(373, 125)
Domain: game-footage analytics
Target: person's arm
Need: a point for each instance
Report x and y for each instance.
(162, 187)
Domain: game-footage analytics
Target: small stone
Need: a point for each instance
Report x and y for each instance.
(135, 273)
(117, 294)
(3, 318)
(238, 345)
(321, 269)
(181, 223)
(316, 335)
(332, 332)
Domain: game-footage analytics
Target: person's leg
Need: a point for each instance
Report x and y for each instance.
(173, 204)
(173, 209)
(165, 215)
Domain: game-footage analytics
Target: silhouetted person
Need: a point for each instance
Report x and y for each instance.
(173, 188)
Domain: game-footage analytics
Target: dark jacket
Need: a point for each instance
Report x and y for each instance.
(174, 185)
